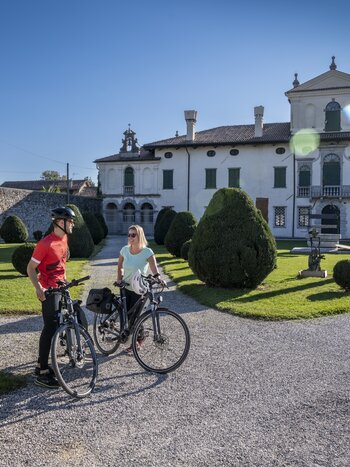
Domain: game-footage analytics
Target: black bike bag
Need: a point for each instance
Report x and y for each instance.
(100, 300)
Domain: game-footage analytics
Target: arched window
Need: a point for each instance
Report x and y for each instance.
(332, 122)
(129, 213)
(333, 220)
(129, 181)
(331, 170)
(111, 213)
(146, 213)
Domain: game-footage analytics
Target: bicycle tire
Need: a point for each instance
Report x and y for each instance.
(75, 373)
(165, 352)
(106, 330)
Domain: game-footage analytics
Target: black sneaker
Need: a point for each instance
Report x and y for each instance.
(37, 371)
(47, 381)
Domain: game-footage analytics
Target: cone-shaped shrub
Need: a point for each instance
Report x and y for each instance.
(80, 241)
(94, 227)
(232, 246)
(38, 235)
(185, 249)
(341, 274)
(159, 218)
(21, 257)
(13, 230)
(181, 229)
(102, 221)
(163, 226)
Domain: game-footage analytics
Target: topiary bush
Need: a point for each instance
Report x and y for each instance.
(13, 230)
(232, 246)
(80, 242)
(159, 217)
(94, 227)
(102, 221)
(181, 229)
(185, 249)
(341, 274)
(21, 257)
(38, 235)
(163, 226)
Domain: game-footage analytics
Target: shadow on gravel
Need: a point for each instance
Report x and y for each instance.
(108, 263)
(36, 401)
(28, 324)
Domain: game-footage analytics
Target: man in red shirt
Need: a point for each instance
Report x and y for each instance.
(49, 258)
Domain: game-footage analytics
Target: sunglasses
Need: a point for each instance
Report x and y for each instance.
(132, 235)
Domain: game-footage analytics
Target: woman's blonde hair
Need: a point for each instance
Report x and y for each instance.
(141, 235)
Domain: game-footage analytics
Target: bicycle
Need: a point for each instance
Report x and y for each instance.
(164, 334)
(73, 355)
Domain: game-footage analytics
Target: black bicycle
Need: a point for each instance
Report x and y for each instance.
(160, 337)
(73, 354)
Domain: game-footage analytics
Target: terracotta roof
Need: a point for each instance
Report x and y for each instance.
(226, 135)
(144, 155)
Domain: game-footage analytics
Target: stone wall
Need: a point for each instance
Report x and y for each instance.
(34, 207)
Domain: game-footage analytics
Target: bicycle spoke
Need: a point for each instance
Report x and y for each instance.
(107, 332)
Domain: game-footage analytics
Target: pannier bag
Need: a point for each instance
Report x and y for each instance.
(100, 301)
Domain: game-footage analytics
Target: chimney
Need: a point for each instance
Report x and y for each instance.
(191, 118)
(258, 114)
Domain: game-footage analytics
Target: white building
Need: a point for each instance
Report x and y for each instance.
(290, 170)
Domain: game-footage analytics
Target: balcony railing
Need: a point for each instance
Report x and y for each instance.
(330, 191)
(128, 190)
(304, 191)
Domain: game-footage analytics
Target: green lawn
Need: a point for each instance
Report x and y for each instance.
(10, 382)
(17, 294)
(282, 295)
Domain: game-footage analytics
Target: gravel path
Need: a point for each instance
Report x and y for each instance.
(251, 393)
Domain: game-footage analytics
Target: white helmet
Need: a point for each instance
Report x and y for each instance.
(137, 283)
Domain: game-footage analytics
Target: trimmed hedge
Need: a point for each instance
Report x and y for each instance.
(181, 229)
(94, 227)
(341, 274)
(13, 230)
(80, 242)
(185, 249)
(232, 246)
(163, 226)
(21, 257)
(102, 221)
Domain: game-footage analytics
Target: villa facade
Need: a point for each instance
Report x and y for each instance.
(291, 170)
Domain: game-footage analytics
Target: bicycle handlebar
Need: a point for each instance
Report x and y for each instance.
(65, 286)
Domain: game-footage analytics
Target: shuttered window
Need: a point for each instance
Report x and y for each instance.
(233, 178)
(168, 179)
(210, 178)
(280, 177)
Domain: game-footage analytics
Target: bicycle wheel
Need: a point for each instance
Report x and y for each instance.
(75, 370)
(164, 347)
(107, 332)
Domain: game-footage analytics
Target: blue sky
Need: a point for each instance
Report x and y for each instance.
(76, 72)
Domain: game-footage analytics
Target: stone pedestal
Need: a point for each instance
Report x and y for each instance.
(307, 273)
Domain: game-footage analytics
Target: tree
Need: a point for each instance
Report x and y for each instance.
(232, 246)
(52, 175)
(94, 227)
(181, 229)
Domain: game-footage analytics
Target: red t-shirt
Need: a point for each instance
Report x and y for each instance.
(51, 255)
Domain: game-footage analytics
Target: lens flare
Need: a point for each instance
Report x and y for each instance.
(346, 111)
(304, 142)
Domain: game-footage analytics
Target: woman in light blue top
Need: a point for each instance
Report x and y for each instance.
(135, 256)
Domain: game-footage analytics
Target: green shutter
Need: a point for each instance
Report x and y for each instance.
(129, 177)
(233, 178)
(280, 177)
(333, 120)
(210, 178)
(168, 179)
(304, 178)
(331, 173)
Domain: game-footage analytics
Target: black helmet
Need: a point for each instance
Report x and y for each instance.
(62, 213)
